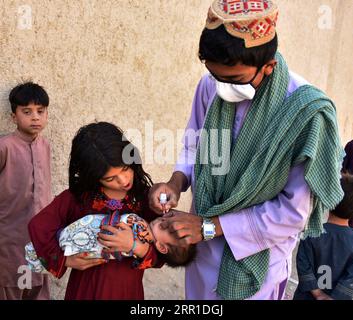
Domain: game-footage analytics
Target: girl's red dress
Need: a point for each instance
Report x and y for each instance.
(111, 281)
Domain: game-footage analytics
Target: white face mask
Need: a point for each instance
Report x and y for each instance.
(235, 93)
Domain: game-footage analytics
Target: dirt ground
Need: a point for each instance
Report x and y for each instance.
(163, 284)
(159, 284)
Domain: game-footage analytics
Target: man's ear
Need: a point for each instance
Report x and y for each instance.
(161, 247)
(270, 66)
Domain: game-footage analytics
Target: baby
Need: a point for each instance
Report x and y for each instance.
(81, 236)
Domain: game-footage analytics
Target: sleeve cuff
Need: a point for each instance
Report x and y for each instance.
(242, 234)
(57, 268)
(307, 282)
(187, 173)
(150, 260)
(342, 293)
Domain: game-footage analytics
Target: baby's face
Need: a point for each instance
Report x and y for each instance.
(162, 237)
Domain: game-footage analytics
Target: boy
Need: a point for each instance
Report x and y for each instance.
(25, 188)
(332, 250)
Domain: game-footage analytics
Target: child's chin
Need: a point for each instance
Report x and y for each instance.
(34, 130)
(31, 131)
(128, 188)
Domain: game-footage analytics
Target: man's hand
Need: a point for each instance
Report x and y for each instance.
(82, 261)
(173, 195)
(177, 183)
(185, 227)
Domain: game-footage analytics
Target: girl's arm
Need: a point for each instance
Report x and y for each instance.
(121, 239)
(43, 229)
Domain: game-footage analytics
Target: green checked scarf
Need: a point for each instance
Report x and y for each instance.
(278, 134)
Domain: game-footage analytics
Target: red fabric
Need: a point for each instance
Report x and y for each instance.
(112, 281)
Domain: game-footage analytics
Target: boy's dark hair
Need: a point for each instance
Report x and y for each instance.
(27, 93)
(95, 149)
(178, 256)
(344, 210)
(220, 47)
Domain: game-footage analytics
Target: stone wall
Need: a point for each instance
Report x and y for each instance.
(135, 63)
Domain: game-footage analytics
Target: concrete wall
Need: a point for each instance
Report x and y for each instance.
(132, 61)
(320, 49)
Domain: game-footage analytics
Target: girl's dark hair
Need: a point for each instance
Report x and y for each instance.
(220, 47)
(95, 149)
(27, 93)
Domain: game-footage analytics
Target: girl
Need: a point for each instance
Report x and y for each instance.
(101, 180)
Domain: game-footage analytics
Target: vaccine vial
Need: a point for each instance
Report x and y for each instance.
(163, 198)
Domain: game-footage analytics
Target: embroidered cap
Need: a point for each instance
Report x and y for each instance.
(252, 20)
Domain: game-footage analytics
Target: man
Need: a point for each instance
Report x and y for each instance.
(276, 134)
